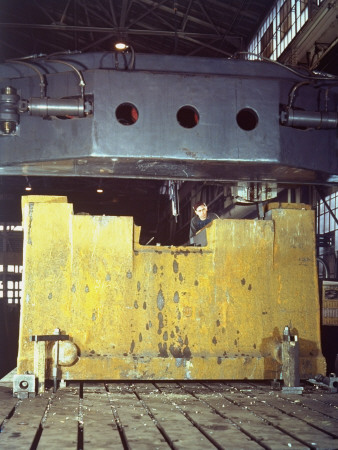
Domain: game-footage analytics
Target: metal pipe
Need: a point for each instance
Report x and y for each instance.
(326, 267)
(293, 92)
(41, 76)
(309, 119)
(82, 83)
(45, 107)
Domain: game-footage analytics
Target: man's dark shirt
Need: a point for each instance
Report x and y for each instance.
(197, 224)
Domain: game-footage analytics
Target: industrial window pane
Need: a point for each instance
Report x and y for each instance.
(332, 223)
(332, 202)
(285, 18)
(303, 5)
(267, 42)
(304, 17)
(17, 228)
(326, 222)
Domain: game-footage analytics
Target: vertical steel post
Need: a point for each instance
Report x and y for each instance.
(290, 359)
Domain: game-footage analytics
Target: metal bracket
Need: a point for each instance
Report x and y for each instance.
(40, 356)
(24, 386)
(330, 382)
(49, 337)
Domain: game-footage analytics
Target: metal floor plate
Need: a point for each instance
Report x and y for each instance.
(177, 415)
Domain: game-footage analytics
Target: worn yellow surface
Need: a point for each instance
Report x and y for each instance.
(155, 312)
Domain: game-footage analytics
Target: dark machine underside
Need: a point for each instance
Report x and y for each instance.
(163, 117)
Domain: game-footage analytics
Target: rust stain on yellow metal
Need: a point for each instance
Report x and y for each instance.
(156, 312)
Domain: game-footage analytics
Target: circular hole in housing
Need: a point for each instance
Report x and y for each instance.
(126, 114)
(23, 384)
(247, 119)
(187, 117)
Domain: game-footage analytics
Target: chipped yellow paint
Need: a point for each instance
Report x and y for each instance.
(156, 312)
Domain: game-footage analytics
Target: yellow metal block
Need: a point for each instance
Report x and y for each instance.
(26, 199)
(158, 312)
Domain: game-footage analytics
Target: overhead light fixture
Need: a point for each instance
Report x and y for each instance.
(122, 48)
(28, 185)
(121, 39)
(120, 45)
(99, 189)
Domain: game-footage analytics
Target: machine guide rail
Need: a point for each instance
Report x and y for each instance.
(162, 414)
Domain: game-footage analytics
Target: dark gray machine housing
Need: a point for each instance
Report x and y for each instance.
(167, 117)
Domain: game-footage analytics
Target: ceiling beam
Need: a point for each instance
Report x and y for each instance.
(123, 13)
(193, 19)
(148, 11)
(205, 45)
(89, 29)
(186, 16)
(112, 11)
(205, 12)
(64, 14)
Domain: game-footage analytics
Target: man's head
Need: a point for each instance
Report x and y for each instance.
(201, 210)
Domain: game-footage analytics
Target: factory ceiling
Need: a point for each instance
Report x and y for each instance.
(214, 28)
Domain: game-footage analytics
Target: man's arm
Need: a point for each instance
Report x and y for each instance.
(193, 230)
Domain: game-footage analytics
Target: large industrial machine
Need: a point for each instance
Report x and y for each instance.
(163, 117)
(99, 305)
